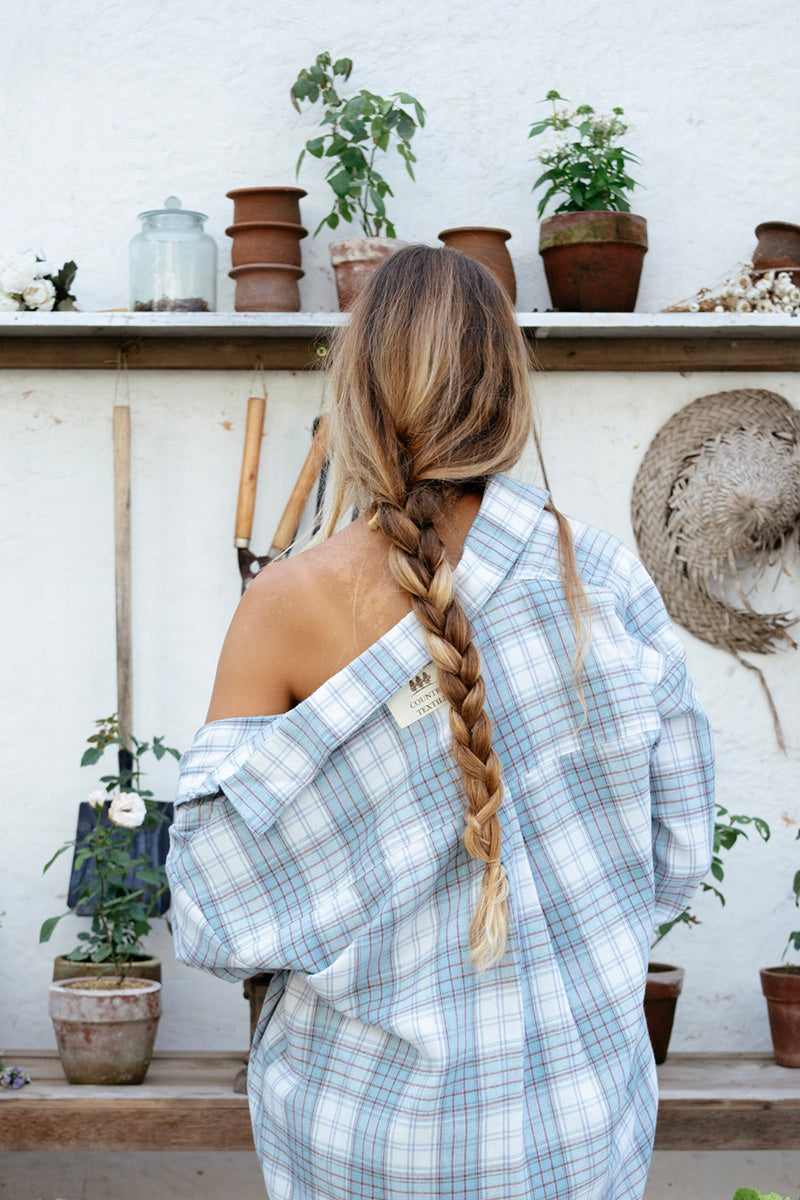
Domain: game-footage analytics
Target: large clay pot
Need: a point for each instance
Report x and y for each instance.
(593, 260)
(141, 966)
(778, 248)
(266, 242)
(266, 287)
(664, 983)
(488, 247)
(266, 204)
(355, 260)
(781, 987)
(105, 1036)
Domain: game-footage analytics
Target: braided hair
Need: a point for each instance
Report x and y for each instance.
(430, 397)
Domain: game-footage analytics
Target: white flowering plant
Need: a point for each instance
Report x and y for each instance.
(121, 883)
(584, 162)
(747, 290)
(29, 282)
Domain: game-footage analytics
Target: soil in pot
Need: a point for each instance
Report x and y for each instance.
(664, 983)
(593, 260)
(266, 242)
(105, 1033)
(141, 966)
(488, 247)
(355, 261)
(266, 204)
(266, 287)
(781, 988)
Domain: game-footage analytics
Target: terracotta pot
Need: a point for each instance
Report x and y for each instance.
(781, 987)
(266, 242)
(267, 287)
(593, 260)
(778, 248)
(141, 966)
(355, 260)
(488, 247)
(266, 204)
(105, 1037)
(664, 983)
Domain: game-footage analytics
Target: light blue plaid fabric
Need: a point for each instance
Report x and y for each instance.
(325, 843)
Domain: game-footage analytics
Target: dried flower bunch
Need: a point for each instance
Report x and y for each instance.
(30, 283)
(585, 165)
(12, 1077)
(122, 886)
(747, 290)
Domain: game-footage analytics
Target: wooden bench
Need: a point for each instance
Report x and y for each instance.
(187, 1102)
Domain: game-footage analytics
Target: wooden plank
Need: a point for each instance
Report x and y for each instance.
(667, 354)
(711, 1126)
(194, 352)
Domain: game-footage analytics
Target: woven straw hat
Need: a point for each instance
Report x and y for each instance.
(719, 489)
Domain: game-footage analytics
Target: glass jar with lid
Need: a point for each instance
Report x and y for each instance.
(173, 262)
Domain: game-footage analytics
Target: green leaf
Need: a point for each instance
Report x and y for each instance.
(343, 66)
(316, 147)
(45, 933)
(49, 863)
(405, 127)
(92, 755)
(538, 127)
(795, 888)
(341, 183)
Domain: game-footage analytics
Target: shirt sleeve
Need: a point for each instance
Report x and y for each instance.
(682, 760)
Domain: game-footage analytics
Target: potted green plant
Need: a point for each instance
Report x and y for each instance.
(355, 130)
(781, 989)
(747, 1193)
(664, 980)
(105, 998)
(592, 246)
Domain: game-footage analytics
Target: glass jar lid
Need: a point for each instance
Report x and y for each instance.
(172, 208)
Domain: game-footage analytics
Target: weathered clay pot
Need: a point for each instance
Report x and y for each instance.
(781, 987)
(267, 287)
(141, 966)
(778, 248)
(266, 242)
(266, 204)
(593, 260)
(355, 260)
(488, 247)
(664, 983)
(105, 1037)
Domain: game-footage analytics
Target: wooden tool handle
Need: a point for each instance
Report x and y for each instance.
(287, 526)
(122, 563)
(248, 480)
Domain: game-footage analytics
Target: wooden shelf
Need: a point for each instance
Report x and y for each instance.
(187, 1102)
(298, 341)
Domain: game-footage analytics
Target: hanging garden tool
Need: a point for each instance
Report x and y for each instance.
(250, 564)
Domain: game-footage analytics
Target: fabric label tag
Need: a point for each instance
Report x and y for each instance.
(420, 696)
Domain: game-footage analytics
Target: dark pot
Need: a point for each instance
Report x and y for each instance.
(266, 242)
(778, 248)
(355, 260)
(488, 247)
(266, 204)
(664, 983)
(593, 260)
(781, 987)
(266, 287)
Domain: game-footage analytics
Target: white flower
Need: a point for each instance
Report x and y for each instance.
(752, 294)
(743, 306)
(765, 306)
(8, 303)
(127, 809)
(20, 273)
(743, 282)
(718, 308)
(97, 798)
(41, 294)
(694, 306)
(747, 265)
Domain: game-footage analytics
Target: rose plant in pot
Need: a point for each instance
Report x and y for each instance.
(105, 999)
(664, 980)
(781, 988)
(593, 245)
(355, 131)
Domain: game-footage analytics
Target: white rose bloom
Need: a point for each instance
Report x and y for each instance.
(97, 798)
(8, 303)
(40, 295)
(127, 809)
(20, 273)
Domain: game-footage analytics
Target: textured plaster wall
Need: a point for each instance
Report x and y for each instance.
(109, 108)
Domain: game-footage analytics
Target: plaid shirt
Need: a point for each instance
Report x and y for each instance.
(325, 844)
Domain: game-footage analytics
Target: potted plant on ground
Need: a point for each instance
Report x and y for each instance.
(593, 246)
(664, 980)
(781, 988)
(354, 131)
(105, 1000)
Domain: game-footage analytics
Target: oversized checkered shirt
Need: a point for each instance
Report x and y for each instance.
(325, 844)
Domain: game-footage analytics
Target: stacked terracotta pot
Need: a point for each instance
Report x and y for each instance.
(265, 255)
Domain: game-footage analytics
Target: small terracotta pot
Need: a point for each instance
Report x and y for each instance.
(355, 260)
(488, 247)
(141, 966)
(267, 287)
(664, 983)
(778, 248)
(266, 242)
(781, 987)
(266, 204)
(105, 1037)
(593, 260)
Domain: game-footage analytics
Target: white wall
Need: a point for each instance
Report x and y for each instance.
(108, 108)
